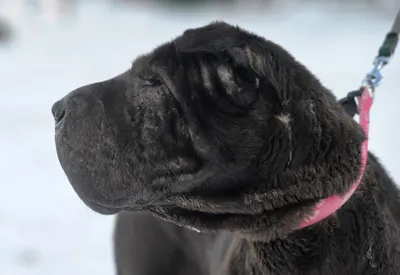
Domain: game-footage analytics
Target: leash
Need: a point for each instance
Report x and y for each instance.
(359, 102)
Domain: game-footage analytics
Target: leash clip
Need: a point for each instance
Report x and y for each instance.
(374, 77)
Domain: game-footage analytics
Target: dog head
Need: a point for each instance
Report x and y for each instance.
(218, 129)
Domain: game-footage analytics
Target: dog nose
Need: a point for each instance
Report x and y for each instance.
(58, 110)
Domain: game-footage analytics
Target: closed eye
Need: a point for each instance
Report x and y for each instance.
(153, 82)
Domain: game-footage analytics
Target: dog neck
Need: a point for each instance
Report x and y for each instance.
(330, 205)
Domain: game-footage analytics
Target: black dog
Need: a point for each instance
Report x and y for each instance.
(232, 141)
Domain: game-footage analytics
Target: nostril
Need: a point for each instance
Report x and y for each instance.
(59, 116)
(58, 111)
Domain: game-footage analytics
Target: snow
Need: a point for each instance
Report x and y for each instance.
(44, 227)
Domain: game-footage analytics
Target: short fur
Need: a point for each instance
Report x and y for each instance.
(215, 146)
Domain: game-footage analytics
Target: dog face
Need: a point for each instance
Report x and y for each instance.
(217, 129)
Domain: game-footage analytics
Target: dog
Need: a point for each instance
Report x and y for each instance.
(212, 149)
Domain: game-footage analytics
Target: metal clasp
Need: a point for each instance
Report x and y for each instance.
(374, 77)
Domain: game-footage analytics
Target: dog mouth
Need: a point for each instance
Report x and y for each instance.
(212, 214)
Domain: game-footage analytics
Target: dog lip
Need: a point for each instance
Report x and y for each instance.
(107, 211)
(182, 182)
(134, 209)
(104, 210)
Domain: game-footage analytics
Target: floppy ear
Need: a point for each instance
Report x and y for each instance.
(243, 66)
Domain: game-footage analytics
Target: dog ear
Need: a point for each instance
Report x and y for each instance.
(242, 65)
(229, 43)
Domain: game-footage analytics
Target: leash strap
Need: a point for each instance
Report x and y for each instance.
(391, 40)
(385, 53)
(396, 24)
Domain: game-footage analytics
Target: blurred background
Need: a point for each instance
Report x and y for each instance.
(50, 47)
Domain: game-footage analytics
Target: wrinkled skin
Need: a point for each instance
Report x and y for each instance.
(223, 132)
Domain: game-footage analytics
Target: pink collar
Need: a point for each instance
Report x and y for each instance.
(328, 206)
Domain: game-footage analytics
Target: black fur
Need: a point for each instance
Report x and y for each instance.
(223, 132)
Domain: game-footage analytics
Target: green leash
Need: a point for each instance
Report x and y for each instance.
(391, 39)
(384, 54)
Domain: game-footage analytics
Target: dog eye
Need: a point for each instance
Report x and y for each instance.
(153, 82)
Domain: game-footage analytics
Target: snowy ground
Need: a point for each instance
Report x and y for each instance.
(44, 228)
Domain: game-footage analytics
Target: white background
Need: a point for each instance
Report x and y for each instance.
(44, 228)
